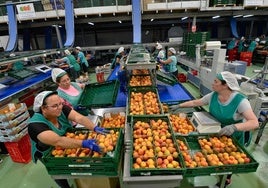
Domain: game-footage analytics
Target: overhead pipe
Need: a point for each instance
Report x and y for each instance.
(12, 28)
(69, 23)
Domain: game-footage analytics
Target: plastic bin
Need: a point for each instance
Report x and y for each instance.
(6, 114)
(20, 151)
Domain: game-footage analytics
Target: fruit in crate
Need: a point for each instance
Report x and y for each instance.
(140, 81)
(107, 142)
(140, 71)
(165, 107)
(58, 152)
(136, 106)
(114, 121)
(151, 103)
(181, 124)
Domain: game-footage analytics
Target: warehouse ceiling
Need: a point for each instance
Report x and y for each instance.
(161, 19)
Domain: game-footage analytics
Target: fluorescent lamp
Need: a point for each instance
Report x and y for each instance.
(90, 23)
(246, 16)
(237, 16)
(120, 21)
(152, 19)
(215, 17)
(184, 18)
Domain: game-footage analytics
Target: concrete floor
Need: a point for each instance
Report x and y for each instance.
(19, 175)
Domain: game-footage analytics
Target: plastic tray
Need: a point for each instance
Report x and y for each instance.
(21, 74)
(143, 90)
(156, 170)
(106, 165)
(166, 78)
(182, 126)
(141, 81)
(6, 115)
(100, 94)
(14, 138)
(15, 130)
(113, 120)
(192, 142)
(14, 122)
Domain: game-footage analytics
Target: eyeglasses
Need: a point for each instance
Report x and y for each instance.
(55, 106)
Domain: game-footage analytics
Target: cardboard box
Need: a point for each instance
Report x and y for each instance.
(97, 182)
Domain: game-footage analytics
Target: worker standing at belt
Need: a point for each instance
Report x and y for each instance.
(81, 59)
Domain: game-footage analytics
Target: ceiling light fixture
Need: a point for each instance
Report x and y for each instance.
(120, 21)
(152, 19)
(90, 23)
(237, 16)
(215, 17)
(246, 16)
(184, 18)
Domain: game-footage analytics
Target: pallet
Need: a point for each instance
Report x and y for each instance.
(224, 5)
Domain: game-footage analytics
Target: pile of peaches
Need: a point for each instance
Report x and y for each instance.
(107, 143)
(144, 103)
(113, 120)
(215, 151)
(140, 81)
(153, 146)
(181, 124)
(140, 71)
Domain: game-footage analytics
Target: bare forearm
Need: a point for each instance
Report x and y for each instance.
(192, 103)
(66, 142)
(247, 126)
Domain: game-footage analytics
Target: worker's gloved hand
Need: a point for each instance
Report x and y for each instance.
(228, 130)
(174, 107)
(101, 130)
(91, 144)
(80, 107)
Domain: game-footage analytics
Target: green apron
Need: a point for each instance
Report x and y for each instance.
(39, 118)
(224, 113)
(252, 46)
(73, 100)
(74, 63)
(114, 60)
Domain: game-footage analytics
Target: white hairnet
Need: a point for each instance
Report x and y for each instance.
(230, 80)
(39, 99)
(158, 46)
(67, 52)
(56, 73)
(257, 39)
(78, 48)
(172, 50)
(121, 49)
(242, 38)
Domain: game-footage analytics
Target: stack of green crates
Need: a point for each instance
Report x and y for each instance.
(191, 39)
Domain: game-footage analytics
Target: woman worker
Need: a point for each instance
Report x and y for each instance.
(170, 65)
(72, 64)
(228, 106)
(50, 122)
(81, 59)
(161, 53)
(118, 55)
(69, 91)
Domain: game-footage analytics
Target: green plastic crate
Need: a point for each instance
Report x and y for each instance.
(21, 74)
(156, 170)
(143, 90)
(169, 79)
(100, 94)
(140, 79)
(192, 142)
(106, 165)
